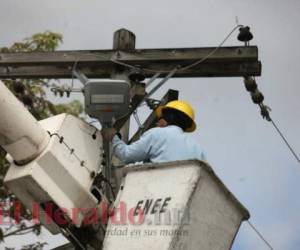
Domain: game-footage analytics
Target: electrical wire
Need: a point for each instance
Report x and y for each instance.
(260, 235)
(71, 88)
(264, 110)
(123, 64)
(214, 51)
(285, 140)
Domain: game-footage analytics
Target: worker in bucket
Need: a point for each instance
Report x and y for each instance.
(169, 141)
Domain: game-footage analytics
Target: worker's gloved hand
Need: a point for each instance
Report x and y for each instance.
(108, 133)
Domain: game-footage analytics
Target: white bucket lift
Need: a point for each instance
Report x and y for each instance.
(59, 177)
(183, 205)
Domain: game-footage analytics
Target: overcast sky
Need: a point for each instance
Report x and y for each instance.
(244, 150)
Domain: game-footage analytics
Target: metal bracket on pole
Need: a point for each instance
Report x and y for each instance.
(153, 78)
(161, 82)
(171, 95)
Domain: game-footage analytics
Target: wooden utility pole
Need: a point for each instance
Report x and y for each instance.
(124, 40)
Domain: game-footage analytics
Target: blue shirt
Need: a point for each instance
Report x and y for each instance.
(159, 145)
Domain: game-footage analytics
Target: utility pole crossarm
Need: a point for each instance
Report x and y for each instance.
(226, 61)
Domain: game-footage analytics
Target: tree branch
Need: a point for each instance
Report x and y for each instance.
(20, 230)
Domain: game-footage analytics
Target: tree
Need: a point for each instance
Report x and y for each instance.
(33, 95)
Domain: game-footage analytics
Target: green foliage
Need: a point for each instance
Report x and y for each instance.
(47, 41)
(73, 108)
(33, 95)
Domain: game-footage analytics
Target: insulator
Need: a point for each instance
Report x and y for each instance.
(136, 76)
(257, 97)
(245, 35)
(250, 84)
(61, 92)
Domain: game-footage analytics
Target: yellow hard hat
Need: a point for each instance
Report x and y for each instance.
(181, 106)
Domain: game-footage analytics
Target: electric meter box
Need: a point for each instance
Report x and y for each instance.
(107, 99)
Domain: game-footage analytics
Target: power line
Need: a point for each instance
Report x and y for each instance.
(260, 235)
(212, 52)
(257, 98)
(266, 115)
(285, 140)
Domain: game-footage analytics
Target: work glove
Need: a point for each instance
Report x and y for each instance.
(108, 133)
